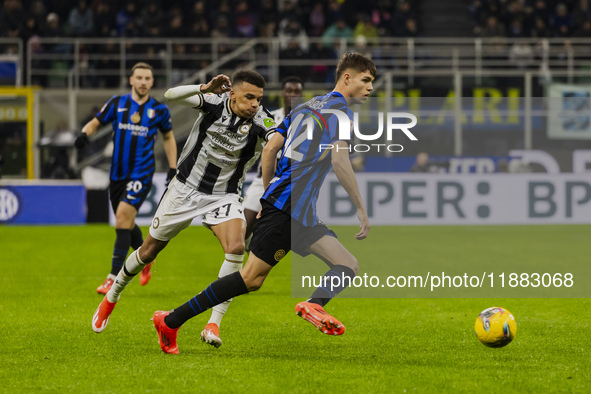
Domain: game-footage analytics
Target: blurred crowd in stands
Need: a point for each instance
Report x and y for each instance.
(531, 18)
(202, 19)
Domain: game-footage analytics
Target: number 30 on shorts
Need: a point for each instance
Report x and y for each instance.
(136, 186)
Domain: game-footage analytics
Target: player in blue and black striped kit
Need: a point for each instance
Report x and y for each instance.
(136, 119)
(288, 217)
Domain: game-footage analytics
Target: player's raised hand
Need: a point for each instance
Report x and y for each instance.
(218, 85)
(364, 227)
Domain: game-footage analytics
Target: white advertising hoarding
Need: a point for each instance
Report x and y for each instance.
(442, 199)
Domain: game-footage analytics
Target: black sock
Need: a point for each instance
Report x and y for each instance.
(137, 239)
(122, 244)
(326, 291)
(219, 291)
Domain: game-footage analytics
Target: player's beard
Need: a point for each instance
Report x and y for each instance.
(140, 96)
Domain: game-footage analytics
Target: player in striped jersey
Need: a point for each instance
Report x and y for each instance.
(227, 138)
(285, 221)
(291, 87)
(136, 118)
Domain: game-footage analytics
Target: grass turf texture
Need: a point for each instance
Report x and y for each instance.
(47, 298)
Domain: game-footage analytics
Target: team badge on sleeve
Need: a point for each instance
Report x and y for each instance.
(268, 122)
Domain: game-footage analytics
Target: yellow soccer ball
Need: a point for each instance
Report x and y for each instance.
(495, 327)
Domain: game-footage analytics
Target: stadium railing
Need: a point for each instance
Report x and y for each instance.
(93, 60)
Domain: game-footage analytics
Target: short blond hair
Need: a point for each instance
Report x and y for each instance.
(142, 65)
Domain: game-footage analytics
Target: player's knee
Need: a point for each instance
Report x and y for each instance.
(235, 247)
(353, 264)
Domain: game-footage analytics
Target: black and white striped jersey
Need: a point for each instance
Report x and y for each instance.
(222, 146)
(278, 115)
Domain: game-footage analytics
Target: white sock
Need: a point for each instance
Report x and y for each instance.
(133, 266)
(232, 263)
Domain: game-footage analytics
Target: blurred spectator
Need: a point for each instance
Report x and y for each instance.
(293, 51)
(316, 21)
(516, 29)
(199, 28)
(521, 55)
(151, 16)
(81, 20)
(585, 30)
(361, 46)
(290, 30)
(381, 16)
(410, 28)
(365, 28)
(222, 28)
(321, 72)
(12, 17)
(125, 20)
(175, 27)
(29, 28)
(513, 11)
(492, 28)
(104, 20)
(199, 13)
(404, 13)
(266, 14)
(339, 29)
(333, 13)
(243, 20)
(39, 12)
(562, 21)
(541, 11)
(477, 13)
(582, 13)
(540, 29)
(422, 164)
(288, 12)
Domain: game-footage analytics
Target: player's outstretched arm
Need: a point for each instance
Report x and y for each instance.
(171, 153)
(269, 157)
(190, 95)
(89, 129)
(344, 172)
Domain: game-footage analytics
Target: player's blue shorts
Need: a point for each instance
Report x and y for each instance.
(132, 191)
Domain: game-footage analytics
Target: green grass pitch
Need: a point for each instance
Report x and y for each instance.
(47, 299)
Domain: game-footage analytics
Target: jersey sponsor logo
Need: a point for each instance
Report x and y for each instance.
(10, 204)
(136, 129)
(119, 109)
(279, 255)
(222, 142)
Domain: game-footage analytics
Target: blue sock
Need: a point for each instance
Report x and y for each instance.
(326, 291)
(122, 244)
(219, 291)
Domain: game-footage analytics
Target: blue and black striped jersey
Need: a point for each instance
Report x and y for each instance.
(306, 159)
(134, 134)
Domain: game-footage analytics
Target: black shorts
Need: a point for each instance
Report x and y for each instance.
(132, 191)
(276, 233)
